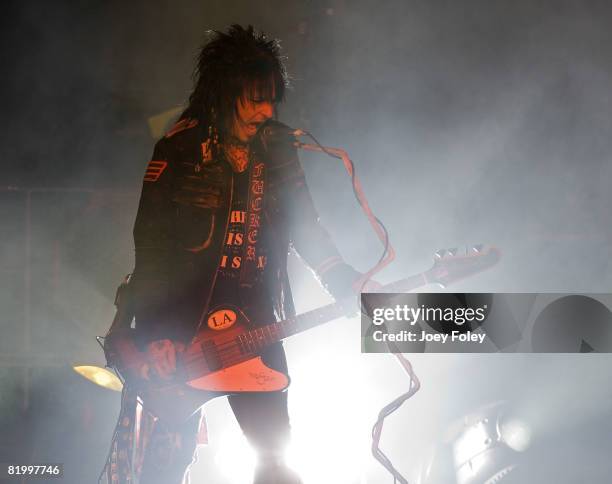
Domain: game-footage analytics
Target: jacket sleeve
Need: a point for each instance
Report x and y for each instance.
(314, 244)
(308, 237)
(154, 242)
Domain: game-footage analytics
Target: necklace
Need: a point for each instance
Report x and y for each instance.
(237, 155)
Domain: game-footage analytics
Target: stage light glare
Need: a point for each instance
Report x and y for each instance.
(470, 470)
(332, 413)
(235, 458)
(338, 461)
(468, 448)
(516, 434)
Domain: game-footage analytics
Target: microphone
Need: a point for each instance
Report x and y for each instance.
(273, 130)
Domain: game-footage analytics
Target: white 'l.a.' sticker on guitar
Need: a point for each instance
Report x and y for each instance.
(222, 319)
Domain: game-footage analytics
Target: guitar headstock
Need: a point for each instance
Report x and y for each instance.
(453, 264)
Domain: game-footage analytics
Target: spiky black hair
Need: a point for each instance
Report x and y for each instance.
(239, 62)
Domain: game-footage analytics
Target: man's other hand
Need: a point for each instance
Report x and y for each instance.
(161, 356)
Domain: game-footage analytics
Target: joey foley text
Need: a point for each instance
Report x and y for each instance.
(445, 319)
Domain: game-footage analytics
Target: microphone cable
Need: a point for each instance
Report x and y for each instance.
(387, 256)
(381, 231)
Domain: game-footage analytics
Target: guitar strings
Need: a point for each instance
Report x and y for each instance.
(230, 352)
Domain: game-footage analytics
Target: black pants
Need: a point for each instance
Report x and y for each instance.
(263, 418)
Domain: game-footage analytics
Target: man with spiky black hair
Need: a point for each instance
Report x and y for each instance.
(221, 204)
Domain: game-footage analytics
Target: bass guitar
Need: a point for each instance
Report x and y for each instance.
(224, 357)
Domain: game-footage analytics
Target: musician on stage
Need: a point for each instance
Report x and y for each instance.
(222, 202)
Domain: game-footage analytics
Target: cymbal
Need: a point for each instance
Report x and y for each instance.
(100, 376)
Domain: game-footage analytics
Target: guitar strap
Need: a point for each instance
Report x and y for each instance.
(119, 465)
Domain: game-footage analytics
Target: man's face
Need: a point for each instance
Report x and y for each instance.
(251, 112)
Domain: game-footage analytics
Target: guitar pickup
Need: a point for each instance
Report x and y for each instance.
(211, 355)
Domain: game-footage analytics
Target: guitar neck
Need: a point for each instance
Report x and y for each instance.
(273, 332)
(448, 267)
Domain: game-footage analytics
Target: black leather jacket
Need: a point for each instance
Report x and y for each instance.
(181, 223)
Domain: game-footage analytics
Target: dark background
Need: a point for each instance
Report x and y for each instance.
(468, 122)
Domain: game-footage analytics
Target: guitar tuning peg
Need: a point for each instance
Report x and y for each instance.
(452, 252)
(477, 248)
(440, 254)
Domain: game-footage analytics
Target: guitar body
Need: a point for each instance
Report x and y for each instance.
(216, 363)
(249, 376)
(224, 356)
(174, 403)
